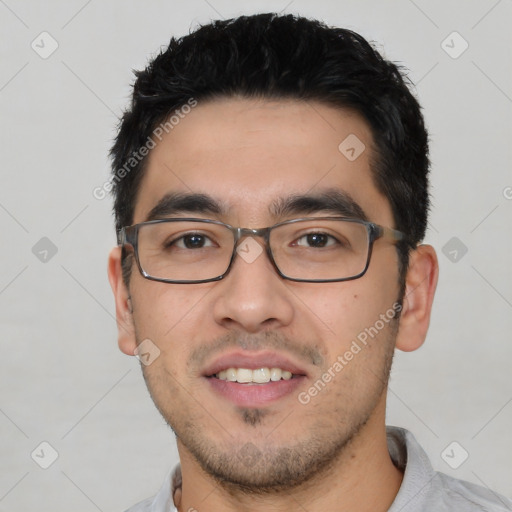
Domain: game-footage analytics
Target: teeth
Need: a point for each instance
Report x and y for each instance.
(244, 375)
(275, 374)
(259, 376)
(230, 375)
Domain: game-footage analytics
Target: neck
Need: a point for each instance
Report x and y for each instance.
(362, 478)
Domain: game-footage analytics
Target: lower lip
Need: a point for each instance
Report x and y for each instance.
(254, 395)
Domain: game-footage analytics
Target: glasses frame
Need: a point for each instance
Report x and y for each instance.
(128, 236)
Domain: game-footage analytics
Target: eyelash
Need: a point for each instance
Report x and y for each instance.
(176, 241)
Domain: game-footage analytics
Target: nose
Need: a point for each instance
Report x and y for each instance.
(252, 297)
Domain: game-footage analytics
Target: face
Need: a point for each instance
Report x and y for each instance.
(248, 155)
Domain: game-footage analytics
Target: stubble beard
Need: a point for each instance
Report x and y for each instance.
(263, 469)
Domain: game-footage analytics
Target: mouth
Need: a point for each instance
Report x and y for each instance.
(254, 380)
(258, 376)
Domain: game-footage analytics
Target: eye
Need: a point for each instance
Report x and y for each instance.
(192, 241)
(318, 240)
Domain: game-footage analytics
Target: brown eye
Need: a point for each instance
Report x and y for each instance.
(191, 241)
(318, 240)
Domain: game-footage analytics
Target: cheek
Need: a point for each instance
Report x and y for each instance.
(160, 308)
(169, 316)
(347, 308)
(360, 311)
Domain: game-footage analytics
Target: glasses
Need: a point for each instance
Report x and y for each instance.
(312, 250)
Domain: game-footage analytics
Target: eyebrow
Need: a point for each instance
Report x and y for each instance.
(331, 201)
(179, 203)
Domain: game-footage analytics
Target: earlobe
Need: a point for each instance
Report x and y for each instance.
(420, 286)
(125, 328)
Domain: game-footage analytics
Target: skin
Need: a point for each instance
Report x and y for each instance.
(329, 454)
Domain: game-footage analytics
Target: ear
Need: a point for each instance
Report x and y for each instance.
(420, 286)
(125, 328)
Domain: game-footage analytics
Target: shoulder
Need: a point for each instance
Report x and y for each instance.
(151, 505)
(163, 500)
(142, 506)
(454, 494)
(426, 490)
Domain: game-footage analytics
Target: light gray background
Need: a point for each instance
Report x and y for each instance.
(62, 377)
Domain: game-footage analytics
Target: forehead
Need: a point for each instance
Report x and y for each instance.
(249, 154)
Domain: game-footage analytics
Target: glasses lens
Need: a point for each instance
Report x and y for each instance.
(184, 251)
(320, 249)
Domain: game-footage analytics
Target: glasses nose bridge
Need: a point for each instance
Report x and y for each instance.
(243, 232)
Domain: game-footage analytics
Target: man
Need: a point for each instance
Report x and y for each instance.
(271, 194)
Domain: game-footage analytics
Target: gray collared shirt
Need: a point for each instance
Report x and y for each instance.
(422, 489)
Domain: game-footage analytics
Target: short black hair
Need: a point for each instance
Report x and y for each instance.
(273, 56)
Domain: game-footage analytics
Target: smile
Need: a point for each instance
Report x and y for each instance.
(258, 376)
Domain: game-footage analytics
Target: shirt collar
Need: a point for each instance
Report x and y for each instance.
(409, 456)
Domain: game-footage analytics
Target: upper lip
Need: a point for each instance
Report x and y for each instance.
(252, 361)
